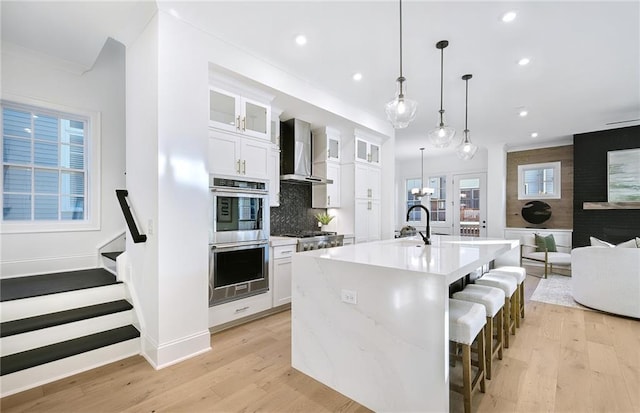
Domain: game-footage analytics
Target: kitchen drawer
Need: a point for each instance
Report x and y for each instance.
(235, 310)
(283, 251)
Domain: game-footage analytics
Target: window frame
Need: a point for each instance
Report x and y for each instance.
(557, 178)
(410, 200)
(91, 221)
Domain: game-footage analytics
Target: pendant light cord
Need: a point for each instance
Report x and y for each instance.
(441, 76)
(401, 38)
(466, 104)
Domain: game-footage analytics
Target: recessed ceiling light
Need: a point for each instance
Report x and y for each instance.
(534, 135)
(357, 76)
(509, 16)
(523, 113)
(301, 39)
(524, 61)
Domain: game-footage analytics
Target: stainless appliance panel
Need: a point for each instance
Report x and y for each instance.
(237, 271)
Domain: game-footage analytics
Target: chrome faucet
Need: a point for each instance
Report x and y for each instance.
(426, 238)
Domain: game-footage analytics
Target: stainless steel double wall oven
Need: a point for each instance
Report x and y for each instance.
(238, 239)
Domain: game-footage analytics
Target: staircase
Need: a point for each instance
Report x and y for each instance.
(56, 325)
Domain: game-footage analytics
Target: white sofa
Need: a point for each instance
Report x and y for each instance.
(607, 279)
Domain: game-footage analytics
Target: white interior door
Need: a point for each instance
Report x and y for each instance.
(470, 205)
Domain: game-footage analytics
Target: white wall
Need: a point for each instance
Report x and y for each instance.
(167, 146)
(100, 89)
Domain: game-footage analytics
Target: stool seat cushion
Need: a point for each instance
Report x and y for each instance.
(507, 283)
(518, 272)
(466, 320)
(490, 297)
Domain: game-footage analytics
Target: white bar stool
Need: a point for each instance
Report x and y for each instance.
(521, 275)
(466, 325)
(493, 301)
(509, 286)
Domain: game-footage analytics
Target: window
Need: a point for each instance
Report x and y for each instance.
(411, 199)
(541, 180)
(46, 171)
(439, 198)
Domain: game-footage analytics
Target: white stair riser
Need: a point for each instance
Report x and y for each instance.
(45, 304)
(46, 336)
(46, 373)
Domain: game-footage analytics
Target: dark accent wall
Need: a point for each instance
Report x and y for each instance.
(295, 212)
(590, 185)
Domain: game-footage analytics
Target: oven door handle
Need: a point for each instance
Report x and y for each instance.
(250, 244)
(238, 191)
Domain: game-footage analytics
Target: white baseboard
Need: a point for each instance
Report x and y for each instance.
(168, 354)
(21, 268)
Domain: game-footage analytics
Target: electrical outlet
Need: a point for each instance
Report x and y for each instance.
(349, 297)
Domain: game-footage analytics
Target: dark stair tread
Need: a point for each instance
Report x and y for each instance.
(42, 355)
(112, 255)
(36, 285)
(10, 328)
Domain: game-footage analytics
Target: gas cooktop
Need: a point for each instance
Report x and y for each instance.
(307, 234)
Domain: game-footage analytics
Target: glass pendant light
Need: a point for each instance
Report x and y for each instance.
(466, 150)
(423, 190)
(442, 135)
(401, 111)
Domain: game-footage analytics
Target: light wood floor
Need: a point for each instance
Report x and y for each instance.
(563, 360)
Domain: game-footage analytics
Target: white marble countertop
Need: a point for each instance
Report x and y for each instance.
(370, 320)
(275, 241)
(451, 256)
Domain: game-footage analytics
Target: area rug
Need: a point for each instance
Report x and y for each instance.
(556, 289)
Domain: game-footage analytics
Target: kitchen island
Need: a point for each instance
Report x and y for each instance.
(371, 320)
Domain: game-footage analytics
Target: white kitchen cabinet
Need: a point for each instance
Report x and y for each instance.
(368, 181)
(326, 196)
(367, 220)
(274, 184)
(281, 257)
(367, 151)
(235, 310)
(234, 155)
(326, 145)
(234, 112)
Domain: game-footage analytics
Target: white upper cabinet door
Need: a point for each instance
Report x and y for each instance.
(274, 184)
(326, 145)
(362, 150)
(374, 182)
(224, 110)
(255, 158)
(224, 154)
(333, 190)
(255, 119)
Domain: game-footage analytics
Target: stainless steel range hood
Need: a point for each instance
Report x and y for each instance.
(295, 153)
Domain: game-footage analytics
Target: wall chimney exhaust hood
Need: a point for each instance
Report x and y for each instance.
(295, 153)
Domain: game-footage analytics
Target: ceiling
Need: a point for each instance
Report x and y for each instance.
(584, 72)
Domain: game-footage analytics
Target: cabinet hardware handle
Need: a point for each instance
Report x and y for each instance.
(328, 199)
(244, 124)
(244, 167)
(238, 166)
(241, 309)
(238, 122)
(286, 252)
(369, 205)
(328, 153)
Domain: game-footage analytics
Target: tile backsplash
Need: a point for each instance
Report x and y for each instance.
(295, 212)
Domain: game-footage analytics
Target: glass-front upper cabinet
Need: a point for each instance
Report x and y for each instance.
(235, 113)
(326, 145)
(367, 151)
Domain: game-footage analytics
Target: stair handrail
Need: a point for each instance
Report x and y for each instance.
(128, 216)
